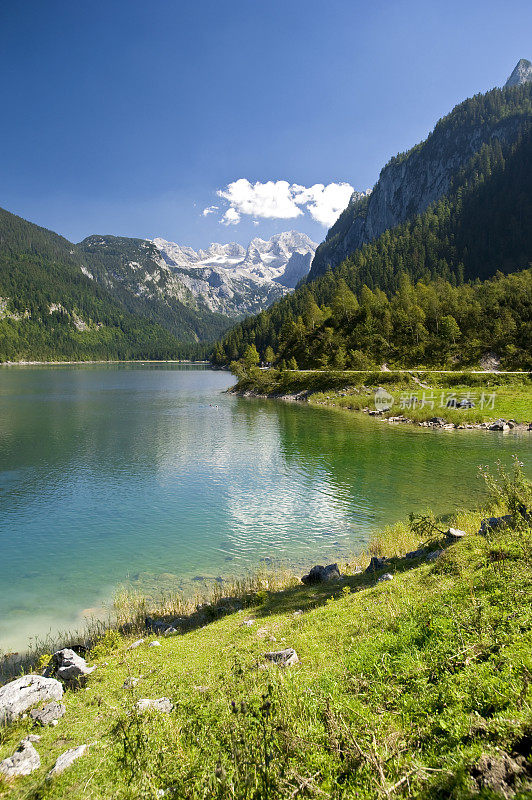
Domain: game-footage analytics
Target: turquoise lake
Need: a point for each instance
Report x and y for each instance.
(151, 474)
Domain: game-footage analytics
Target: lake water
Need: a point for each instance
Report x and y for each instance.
(151, 473)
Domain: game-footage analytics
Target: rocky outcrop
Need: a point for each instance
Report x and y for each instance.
(21, 694)
(319, 574)
(411, 181)
(68, 667)
(24, 760)
(522, 73)
(65, 760)
(163, 704)
(48, 714)
(283, 658)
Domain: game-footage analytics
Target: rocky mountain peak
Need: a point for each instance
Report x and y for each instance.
(521, 74)
(234, 280)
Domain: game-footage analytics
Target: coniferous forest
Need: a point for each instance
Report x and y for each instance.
(434, 291)
(50, 309)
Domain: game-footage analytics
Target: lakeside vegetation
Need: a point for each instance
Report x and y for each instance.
(419, 395)
(415, 687)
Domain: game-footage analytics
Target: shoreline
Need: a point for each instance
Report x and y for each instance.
(129, 608)
(125, 361)
(436, 422)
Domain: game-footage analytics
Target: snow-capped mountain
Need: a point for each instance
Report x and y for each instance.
(207, 287)
(233, 280)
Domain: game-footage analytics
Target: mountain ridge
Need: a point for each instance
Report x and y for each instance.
(411, 181)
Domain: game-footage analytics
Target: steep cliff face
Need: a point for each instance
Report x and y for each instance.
(410, 182)
(521, 74)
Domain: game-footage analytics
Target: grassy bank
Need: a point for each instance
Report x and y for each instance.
(418, 395)
(420, 686)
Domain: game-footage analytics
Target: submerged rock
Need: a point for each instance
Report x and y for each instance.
(66, 665)
(65, 760)
(163, 704)
(48, 714)
(283, 658)
(21, 694)
(24, 760)
(319, 574)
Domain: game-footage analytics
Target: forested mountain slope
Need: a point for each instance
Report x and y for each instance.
(136, 274)
(367, 310)
(63, 301)
(412, 181)
(51, 309)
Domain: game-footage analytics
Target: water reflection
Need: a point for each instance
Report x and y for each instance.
(117, 471)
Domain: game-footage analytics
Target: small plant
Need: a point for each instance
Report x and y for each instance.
(107, 644)
(426, 528)
(508, 488)
(43, 662)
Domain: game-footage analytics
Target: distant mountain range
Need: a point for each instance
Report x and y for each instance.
(233, 280)
(455, 206)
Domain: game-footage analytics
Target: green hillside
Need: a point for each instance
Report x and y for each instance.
(52, 307)
(124, 264)
(414, 685)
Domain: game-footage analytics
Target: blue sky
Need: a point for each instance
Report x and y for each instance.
(127, 116)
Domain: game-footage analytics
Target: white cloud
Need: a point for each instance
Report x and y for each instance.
(270, 200)
(209, 210)
(324, 203)
(231, 217)
(283, 200)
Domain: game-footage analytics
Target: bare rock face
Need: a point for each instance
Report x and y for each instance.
(48, 714)
(283, 658)
(410, 182)
(68, 667)
(65, 760)
(24, 761)
(163, 704)
(21, 694)
(522, 73)
(503, 775)
(490, 362)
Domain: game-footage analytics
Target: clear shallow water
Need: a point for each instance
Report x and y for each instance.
(151, 473)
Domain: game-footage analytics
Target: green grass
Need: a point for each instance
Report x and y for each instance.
(507, 396)
(401, 687)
